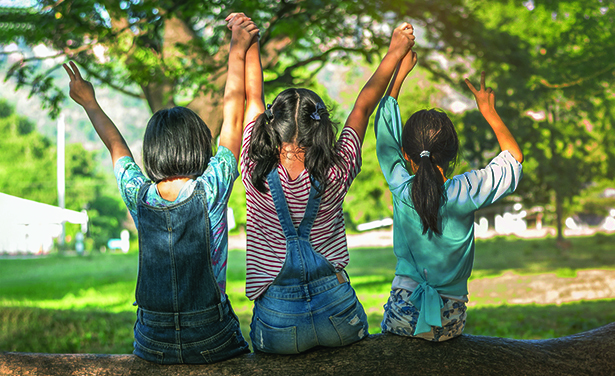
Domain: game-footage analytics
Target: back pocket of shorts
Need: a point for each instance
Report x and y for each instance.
(350, 324)
(270, 339)
(233, 346)
(148, 354)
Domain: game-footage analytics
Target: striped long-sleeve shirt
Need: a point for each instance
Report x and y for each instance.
(266, 244)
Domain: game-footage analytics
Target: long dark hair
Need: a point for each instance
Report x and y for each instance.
(295, 116)
(431, 131)
(177, 142)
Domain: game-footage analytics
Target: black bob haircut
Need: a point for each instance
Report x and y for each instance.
(177, 143)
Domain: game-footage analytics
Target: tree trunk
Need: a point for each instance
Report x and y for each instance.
(559, 213)
(588, 353)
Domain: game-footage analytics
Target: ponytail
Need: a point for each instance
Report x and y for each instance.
(295, 116)
(316, 135)
(430, 141)
(264, 149)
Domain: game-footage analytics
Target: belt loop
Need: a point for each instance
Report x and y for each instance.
(220, 313)
(306, 291)
(177, 323)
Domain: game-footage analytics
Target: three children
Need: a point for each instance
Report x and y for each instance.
(296, 175)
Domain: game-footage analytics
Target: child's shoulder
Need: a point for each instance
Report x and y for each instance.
(222, 169)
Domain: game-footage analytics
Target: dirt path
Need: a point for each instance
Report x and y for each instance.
(546, 288)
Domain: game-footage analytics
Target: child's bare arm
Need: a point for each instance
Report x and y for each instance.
(403, 69)
(243, 30)
(401, 42)
(82, 92)
(255, 101)
(485, 99)
(255, 95)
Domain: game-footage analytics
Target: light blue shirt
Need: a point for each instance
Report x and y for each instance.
(217, 180)
(440, 264)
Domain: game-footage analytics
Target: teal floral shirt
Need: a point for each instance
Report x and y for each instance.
(217, 180)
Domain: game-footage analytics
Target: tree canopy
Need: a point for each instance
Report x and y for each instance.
(551, 64)
(554, 84)
(174, 52)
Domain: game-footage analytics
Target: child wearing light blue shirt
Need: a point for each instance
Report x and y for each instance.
(433, 215)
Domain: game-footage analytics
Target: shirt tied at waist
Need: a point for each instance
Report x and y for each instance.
(429, 302)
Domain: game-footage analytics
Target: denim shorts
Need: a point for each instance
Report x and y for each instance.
(401, 316)
(201, 337)
(293, 319)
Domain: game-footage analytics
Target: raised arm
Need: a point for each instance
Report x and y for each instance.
(485, 99)
(82, 92)
(255, 100)
(403, 69)
(401, 42)
(243, 30)
(255, 93)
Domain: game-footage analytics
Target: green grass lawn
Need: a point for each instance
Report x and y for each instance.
(68, 304)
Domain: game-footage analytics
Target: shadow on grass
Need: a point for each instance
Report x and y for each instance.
(27, 329)
(543, 255)
(539, 321)
(55, 277)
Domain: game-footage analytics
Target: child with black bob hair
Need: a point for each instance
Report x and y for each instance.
(183, 314)
(433, 216)
(296, 176)
(177, 142)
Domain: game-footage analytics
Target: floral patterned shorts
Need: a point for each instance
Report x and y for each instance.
(400, 317)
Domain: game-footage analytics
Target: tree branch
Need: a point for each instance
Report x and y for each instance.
(576, 82)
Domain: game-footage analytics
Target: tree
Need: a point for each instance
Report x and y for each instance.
(174, 52)
(553, 80)
(28, 170)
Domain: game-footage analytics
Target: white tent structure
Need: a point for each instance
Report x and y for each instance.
(29, 227)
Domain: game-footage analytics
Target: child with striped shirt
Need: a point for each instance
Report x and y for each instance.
(296, 176)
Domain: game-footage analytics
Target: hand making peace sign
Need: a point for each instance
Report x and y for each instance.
(81, 91)
(485, 97)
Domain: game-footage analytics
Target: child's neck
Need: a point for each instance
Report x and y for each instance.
(292, 158)
(169, 188)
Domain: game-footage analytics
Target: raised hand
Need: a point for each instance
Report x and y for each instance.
(404, 67)
(244, 30)
(402, 40)
(485, 97)
(407, 63)
(81, 91)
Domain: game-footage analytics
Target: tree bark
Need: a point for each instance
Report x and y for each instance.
(559, 213)
(588, 353)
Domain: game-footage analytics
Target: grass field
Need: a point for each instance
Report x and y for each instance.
(66, 304)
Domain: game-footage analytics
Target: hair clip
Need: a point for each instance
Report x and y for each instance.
(320, 109)
(268, 113)
(425, 153)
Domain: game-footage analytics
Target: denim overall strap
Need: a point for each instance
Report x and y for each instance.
(302, 264)
(175, 273)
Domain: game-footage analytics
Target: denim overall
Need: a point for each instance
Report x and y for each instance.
(308, 304)
(181, 318)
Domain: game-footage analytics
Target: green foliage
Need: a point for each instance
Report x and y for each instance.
(27, 167)
(28, 170)
(169, 52)
(551, 61)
